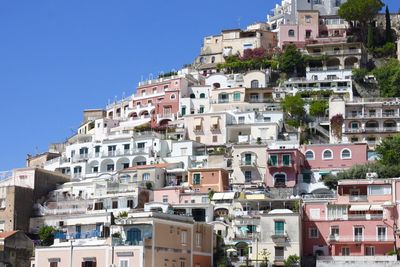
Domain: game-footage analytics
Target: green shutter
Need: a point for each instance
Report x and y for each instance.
(286, 160)
(279, 227)
(273, 160)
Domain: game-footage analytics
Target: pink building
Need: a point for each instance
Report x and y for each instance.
(205, 179)
(322, 159)
(284, 166)
(360, 220)
(157, 100)
(312, 28)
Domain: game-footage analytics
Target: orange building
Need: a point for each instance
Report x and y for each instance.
(206, 179)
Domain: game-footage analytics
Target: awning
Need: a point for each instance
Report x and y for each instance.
(219, 196)
(360, 207)
(324, 172)
(197, 121)
(215, 120)
(376, 207)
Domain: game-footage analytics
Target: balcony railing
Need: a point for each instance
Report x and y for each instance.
(77, 235)
(360, 238)
(360, 198)
(248, 162)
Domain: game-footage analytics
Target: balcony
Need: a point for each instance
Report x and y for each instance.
(198, 130)
(279, 237)
(215, 129)
(359, 198)
(360, 238)
(78, 235)
(248, 162)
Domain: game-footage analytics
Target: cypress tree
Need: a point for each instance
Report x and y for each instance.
(370, 36)
(388, 26)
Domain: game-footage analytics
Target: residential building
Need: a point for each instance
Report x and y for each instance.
(16, 249)
(208, 129)
(140, 239)
(366, 120)
(284, 167)
(206, 179)
(232, 42)
(360, 220)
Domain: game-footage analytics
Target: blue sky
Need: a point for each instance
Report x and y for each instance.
(58, 58)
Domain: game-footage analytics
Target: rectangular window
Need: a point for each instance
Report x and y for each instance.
(123, 263)
(369, 251)
(358, 234)
(247, 176)
(125, 165)
(146, 177)
(129, 203)
(198, 239)
(127, 147)
(110, 167)
(165, 199)
(337, 212)
(313, 232)
(183, 237)
(273, 160)
(307, 178)
(279, 227)
(334, 231)
(279, 253)
(286, 160)
(53, 264)
(141, 145)
(115, 204)
(236, 96)
(196, 178)
(215, 138)
(345, 251)
(241, 119)
(379, 190)
(381, 233)
(315, 214)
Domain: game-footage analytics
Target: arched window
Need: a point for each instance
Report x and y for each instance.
(216, 85)
(172, 96)
(202, 60)
(345, 154)
(202, 95)
(192, 96)
(327, 154)
(146, 176)
(254, 84)
(310, 155)
(212, 59)
(291, 33)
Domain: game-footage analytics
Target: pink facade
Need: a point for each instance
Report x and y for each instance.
(158, 101)
(284, 166)
(360, 221)
(204, 180)
(171, 194)
(338, 156)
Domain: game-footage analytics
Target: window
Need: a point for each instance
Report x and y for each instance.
(379, 190)
(146, 176)
(236, 96)
(247, 176)
(307, 178)
(165, 199)
(183, 264)
(140, 145)
(183, 237)
(89, 264)
(327, 154)
(358, 234)
(241, 119)
(53, 264)
(279, 253)
(313, 232)
(307, 18)
(183, 111)
(198, 239)
(381, 231)
(254, 84)
(345, 251)
(202, 95)
(345, 154)
(196, 178)
(315, 214)
(127, 147)
(215, 138)
(201, 109)
(110, 167)
(369, 251)
(123, 263)
(310, 155)
(279, 227)
(291, 33)
(172, 96)
(286, 160)
(334, 232)
(125, 165)
(273, 160)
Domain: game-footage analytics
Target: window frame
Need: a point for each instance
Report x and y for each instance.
(343, 150)
(327, 158)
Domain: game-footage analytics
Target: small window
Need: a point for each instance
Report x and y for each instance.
(196, 178)
(313, 232)
(201, 109)
(123, 263)
(279, 227)
(345, 251)
(202, 95)
(215, 138)
(327, 154)
(146, 176)
(310, 155)
(254, 84)
(247, 176)
(369, 251)
(236, 96)
(286, 160)
(291, 33)
(273, 160)
(345, 154)
(172, 96)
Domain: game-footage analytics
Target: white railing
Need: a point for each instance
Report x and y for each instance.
(6, 175)
(358, 258)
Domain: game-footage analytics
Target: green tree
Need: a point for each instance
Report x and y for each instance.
(370, 37)
(293, 106)
(291, 61)
(46, 235)
(318, 107)
(388, 29)
(360, 13)
(292, 261)
(388, 77)
(389, 151)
